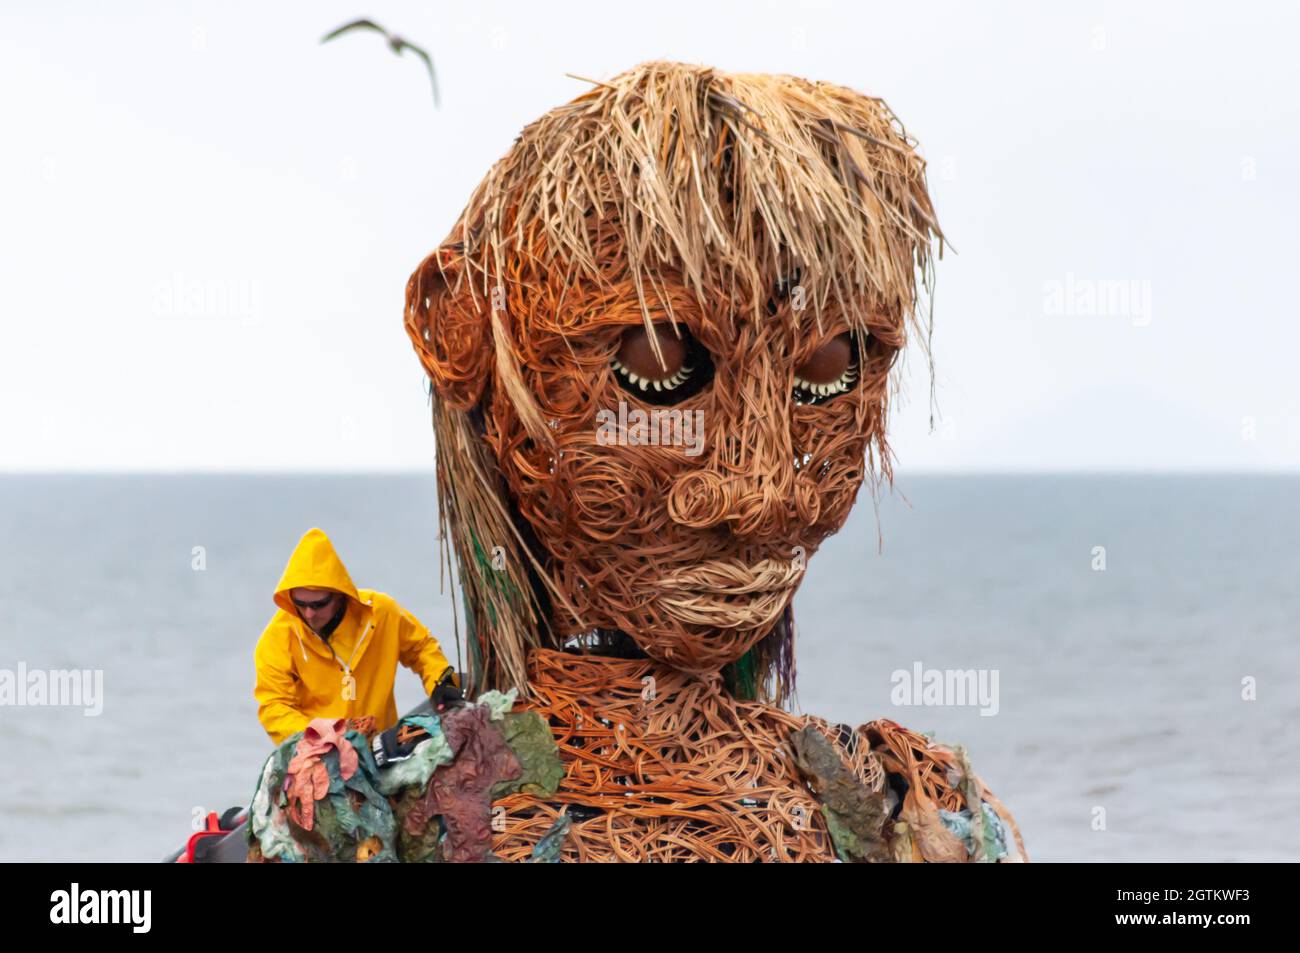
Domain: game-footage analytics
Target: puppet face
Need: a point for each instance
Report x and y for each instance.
(686, 489)
(675, 481)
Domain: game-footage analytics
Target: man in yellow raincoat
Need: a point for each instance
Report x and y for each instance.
(331, 650)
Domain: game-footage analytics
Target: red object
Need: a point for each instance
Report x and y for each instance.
(213, 829)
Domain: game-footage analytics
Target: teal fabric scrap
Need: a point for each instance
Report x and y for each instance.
(547, 850)
(357, 810)
(416, 770)
(959, 823)
(351, 812)
(268, 821)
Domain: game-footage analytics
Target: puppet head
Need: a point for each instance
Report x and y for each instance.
(660, 339)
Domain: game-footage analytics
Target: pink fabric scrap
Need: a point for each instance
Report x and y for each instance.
(307, 779)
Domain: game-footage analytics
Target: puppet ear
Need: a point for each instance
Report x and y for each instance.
(451, 331)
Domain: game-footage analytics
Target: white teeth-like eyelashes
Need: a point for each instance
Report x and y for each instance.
(838, 386)
(646, 383)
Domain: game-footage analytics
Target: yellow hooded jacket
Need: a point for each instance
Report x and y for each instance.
(299, 679)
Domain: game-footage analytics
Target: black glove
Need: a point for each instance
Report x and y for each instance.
(397, 743)
(446, 695)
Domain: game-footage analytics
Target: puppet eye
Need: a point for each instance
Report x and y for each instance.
(830, 371)
(686, 366)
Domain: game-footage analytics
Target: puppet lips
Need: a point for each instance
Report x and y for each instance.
(729, 594)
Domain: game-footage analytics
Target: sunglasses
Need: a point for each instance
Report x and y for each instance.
(314, 605)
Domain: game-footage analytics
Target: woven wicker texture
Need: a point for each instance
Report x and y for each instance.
(663, 766)
(737, 260)
(676, 768)
(755, 219)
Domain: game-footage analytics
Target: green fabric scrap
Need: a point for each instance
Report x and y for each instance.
(424, 847)
(498, 703)
(855, 815)
(352, 812)
(374, 803)
(529, 736)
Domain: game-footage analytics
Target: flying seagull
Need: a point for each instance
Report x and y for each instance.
(395, 43)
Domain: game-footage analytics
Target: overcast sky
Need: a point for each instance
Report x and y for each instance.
(207, 219)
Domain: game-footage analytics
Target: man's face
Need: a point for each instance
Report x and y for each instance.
(693, 548)
(316, 606)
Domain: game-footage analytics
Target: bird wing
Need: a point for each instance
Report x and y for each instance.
(428, 61)
(354, 25)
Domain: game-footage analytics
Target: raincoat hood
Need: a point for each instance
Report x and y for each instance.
(301, 677)
(315, 564)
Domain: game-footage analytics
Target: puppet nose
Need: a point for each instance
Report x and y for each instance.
(749, 480)
(768, 506)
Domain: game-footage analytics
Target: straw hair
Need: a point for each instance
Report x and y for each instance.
(685, 191)
(818, 174)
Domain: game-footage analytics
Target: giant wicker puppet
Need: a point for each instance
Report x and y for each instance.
(660, 339)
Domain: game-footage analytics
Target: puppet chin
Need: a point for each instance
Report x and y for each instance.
(717, 610)
(730, 594)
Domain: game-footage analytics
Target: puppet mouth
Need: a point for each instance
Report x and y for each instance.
(729, 594)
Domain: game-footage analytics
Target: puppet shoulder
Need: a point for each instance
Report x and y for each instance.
(890, 793)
